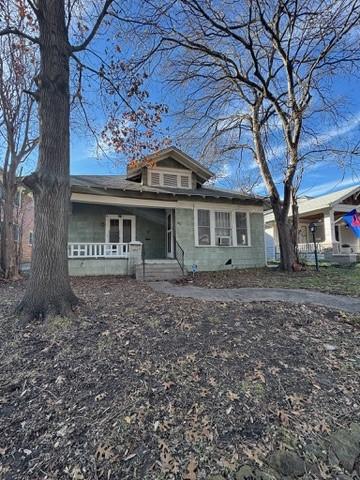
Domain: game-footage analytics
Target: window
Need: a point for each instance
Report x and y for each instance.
(204, 237)
(120, 229)
(223, 229)
(114, 230)
(31, 238)
(170, 178)
(241, 228)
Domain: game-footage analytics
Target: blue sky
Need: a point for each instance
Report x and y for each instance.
(322, 177)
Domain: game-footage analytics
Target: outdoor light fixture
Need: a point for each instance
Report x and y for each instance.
(312, 228)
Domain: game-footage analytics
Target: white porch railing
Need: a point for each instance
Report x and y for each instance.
(334, 248)
(98, 250)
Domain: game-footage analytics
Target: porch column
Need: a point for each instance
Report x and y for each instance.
(329, 229)
(135, 249)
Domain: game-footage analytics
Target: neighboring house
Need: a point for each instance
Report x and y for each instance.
(160, 217)
(23, 225)
(335, 240)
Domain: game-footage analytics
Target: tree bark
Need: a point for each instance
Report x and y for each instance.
(288, 255)
(287, 246)
(9, 264)
(49, 289)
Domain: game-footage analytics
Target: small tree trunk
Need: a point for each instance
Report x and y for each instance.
(9, 264)
(48, 288)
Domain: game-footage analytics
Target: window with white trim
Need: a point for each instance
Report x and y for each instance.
(242, 236)
(120, 228)
(223, 229)
(171, 178)
(203, 225)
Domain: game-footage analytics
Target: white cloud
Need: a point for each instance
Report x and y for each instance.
(322, 138)
(329, 187)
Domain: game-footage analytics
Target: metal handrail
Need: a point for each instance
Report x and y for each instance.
(180, 256)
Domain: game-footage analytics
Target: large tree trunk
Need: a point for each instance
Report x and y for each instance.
(48, 289)
(288, 256)
(9, 264)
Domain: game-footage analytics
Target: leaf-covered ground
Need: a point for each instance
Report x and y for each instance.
(336, 280)
(143, 386)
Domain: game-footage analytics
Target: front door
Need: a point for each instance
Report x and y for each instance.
(169, 234)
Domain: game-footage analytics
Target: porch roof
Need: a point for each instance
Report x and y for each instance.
(309, 205)
(120, 186)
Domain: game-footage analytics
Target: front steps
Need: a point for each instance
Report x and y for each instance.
(162, 269)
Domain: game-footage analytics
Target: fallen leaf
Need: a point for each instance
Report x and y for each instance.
(168, 464)
(191, 470)
(104, 452)
(232, 396)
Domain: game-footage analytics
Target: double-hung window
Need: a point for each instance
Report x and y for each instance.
(223, 229)
(204, 231)
(242, 235)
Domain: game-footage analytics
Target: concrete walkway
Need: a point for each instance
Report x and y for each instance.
(299, 296)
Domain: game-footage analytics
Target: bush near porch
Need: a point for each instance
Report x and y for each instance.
(335, 280)
(139, 385)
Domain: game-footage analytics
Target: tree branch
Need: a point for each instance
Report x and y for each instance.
(86, 42)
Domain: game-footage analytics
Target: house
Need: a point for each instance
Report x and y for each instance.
(335, 240)
(161, 218)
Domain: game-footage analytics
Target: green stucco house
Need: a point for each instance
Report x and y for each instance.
(159, 221)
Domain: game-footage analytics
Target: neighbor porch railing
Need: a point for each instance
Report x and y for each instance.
(98, 250)
(334, 248)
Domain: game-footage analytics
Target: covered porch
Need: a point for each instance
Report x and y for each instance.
(335, 240)
(113, 239)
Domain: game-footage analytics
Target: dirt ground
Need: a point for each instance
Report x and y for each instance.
(143, 386)
(336, 280)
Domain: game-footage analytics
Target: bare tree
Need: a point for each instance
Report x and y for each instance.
(257, 71)
(17, 114)
(63, 32)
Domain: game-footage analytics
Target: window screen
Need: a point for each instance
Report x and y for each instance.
(203, 227)
(222, 228)
(241, 229)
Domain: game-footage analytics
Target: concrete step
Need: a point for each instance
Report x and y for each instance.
(166, 269)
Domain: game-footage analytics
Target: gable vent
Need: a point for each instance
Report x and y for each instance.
(170, 180)
(184, 181)
(155, 178)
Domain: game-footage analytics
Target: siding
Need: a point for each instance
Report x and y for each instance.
(87, 224)
(214, 258)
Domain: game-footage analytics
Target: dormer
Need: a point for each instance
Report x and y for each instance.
(170, 168)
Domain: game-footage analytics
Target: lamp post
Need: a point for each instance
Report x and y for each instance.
(312, 228)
